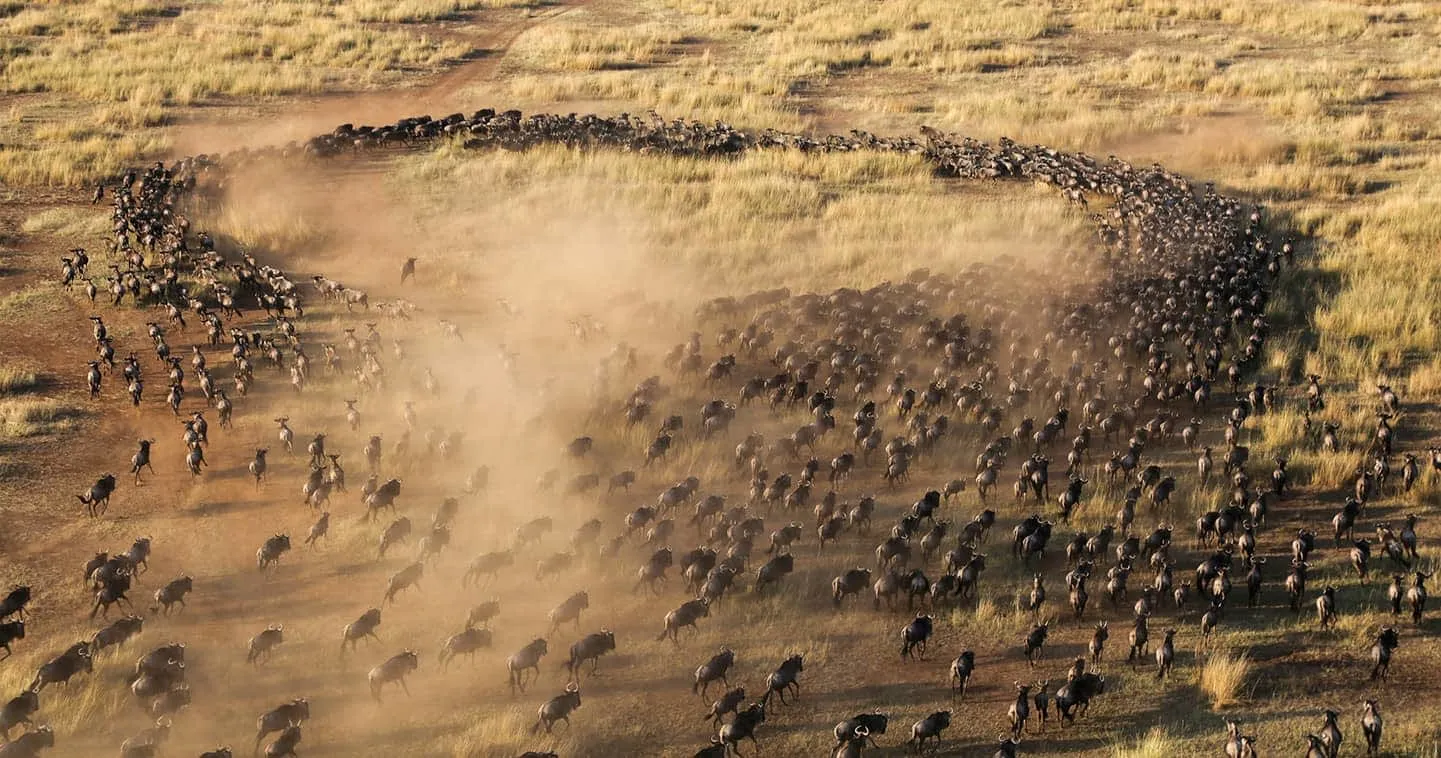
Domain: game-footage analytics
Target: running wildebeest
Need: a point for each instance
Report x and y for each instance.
(785, 678)
(713, 669)
(589, 648)
(263, 643)
(930, 728)
(97, 499)
(60, 669)
(174, 592)
(271, 551)
(360, 628)
(277, 719)
(9, 632)
(466, 643)
(526, 659)
(558, 708)
(743, 727)
(393, 670)
(684, 616)
(569, 610)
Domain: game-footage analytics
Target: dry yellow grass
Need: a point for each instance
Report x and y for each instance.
(119, 70)
(1223, 676)
(31, 418)
(15, 380)
(1155, 743)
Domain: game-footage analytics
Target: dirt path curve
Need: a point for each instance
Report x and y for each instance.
(489, 35)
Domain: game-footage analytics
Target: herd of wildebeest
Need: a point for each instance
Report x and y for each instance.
(1142, 366)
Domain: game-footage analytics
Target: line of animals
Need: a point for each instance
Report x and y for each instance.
(1172, 304)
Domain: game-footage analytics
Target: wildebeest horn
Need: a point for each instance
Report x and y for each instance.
(572, 687)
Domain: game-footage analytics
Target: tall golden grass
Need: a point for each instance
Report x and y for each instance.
(1222, 677)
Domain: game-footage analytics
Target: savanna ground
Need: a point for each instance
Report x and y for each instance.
(1326, 112)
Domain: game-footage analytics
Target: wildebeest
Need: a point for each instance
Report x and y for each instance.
(467, 643)
(1371, 726)
(284, 745)
(277, 719)
(850, 583)
(13, 604)
(29, 744)
(590, 648)
(398, 531)
(743, 727)
(263, 643)
(97, 500)
(930, 728)
(60, 669)
(360, 628)
(961, 669)
(1035, 641)
(685, 615)
(526, 659)
(1020, 710)
(713, 669)
(270, 552)
(393, 670)
(487, 565)
(728, 703)
(915, 635)
(531, 531)
(9, 632)
(174, 592)
(866, 725)
(482, 613)
(404, 579)
(558, 708)
(17, 711)
(785, 678)
(569, 610)
(1387, 640)
(1076, 695)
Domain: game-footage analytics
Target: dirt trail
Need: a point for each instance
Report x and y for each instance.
(490, 37)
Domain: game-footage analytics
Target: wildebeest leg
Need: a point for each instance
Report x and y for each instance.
(405, 687)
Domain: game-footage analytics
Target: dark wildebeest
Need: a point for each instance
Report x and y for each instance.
(277, 719)
(785, 678)
(558, 708)
(590, 648)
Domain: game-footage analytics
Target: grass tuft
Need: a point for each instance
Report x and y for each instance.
(33, 418)
(1156, 743)
(14, 381)
(1222, 677)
